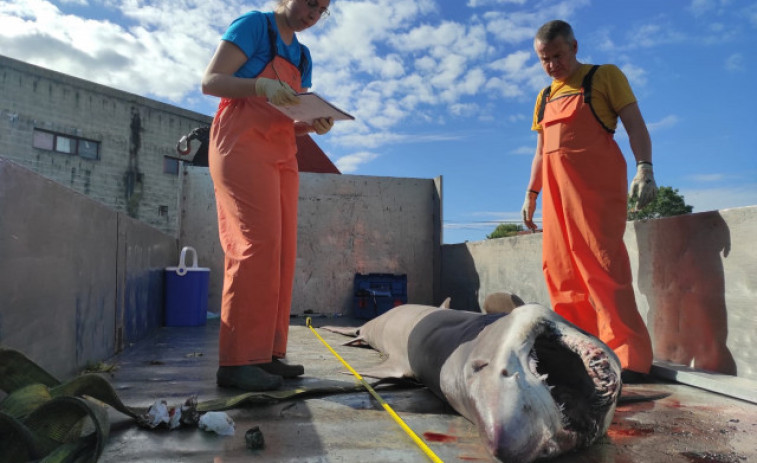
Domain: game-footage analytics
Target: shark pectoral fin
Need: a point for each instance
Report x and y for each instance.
(357, 342)
(388, 369)
(446, 304)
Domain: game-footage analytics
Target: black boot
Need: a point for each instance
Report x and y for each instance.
(634, 377)
(277, 367)
(248, 378)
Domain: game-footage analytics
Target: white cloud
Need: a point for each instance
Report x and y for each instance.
(512, 28)
(524, 150)
(156, 52)
(388, 63)
(708, 178)
(485, 221)
(464, 109)
(703, 7)
(750, 13)
(481, 3)
(711, 199)
(352, 162)
(636, 76)
(664, 123)
(514, 63)
(735, 62)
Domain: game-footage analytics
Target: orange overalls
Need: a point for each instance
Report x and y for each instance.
(253, 164)
(585, 261)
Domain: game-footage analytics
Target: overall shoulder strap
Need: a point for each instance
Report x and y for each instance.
(272, 38)
(275, 52)
(303, 61)
(544, 95)
(586, 85)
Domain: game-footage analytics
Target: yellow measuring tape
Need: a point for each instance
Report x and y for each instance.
(418, 441)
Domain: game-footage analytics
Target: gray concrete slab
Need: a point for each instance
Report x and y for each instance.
(688, 426)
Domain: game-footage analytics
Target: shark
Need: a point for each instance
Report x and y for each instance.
(535, 385)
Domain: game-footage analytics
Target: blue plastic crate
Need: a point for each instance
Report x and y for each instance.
(376, 293)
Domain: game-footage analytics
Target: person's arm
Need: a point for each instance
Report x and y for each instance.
(535, 181)
(534, 184)
(320, 126)
(638, 135)
(219, 79)
(643, 185)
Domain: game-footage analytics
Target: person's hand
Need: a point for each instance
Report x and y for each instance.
(529, 206)
(643, 186)
(323, 125)
(277, 92)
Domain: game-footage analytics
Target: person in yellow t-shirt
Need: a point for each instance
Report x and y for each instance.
(582, 174)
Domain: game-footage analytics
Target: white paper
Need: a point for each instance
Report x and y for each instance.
(312, 106)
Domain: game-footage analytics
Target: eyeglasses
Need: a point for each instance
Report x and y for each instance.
(315, 6)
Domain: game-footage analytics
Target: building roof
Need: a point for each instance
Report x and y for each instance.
(311, 158)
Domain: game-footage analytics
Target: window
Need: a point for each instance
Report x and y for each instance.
(51, 141)
(89, 149)
(65, 144)
(43, 140)
(170, 165)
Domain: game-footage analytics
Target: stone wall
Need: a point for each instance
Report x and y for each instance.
(134, 135)
(80, 281)
(695, 278)
(347, 224)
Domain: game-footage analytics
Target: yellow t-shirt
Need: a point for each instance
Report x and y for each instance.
(610, 92)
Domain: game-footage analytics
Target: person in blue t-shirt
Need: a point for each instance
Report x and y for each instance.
(254, 170)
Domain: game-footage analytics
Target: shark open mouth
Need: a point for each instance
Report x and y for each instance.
(584, 399)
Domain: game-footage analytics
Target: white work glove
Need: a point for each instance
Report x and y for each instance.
(643, 186)
(529, 206)
(277, 92)
(323, 125)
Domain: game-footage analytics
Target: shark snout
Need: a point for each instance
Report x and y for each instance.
(519, 419)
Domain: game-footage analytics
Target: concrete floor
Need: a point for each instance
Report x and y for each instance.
(688, 426)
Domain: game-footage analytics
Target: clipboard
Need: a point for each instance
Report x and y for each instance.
(312, 106)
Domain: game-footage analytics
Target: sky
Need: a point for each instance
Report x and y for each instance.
(446, 87)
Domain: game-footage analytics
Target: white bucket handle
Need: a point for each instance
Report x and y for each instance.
(182, 269)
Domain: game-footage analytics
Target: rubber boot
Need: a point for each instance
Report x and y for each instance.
(248, 378)
(277, 367)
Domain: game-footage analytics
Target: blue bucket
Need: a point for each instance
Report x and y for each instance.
(186, 292)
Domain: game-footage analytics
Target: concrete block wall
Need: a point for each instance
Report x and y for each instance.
(134, 133)
(80, 281)
(695, 278)
(347, 224)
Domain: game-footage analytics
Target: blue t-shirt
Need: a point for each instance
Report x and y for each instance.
(249, 32)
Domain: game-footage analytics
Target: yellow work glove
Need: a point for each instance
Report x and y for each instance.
(643, 186)
(529, 206)
(277, 92)
(323, 125)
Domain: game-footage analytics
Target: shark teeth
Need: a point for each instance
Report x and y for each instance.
(555, 359)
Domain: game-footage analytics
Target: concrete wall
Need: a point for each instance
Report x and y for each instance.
(135, 136)
(347, 224)
(473, 269)
(695, 278)
(696, 282)
(79, 280)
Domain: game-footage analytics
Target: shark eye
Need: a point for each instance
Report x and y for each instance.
(478, 365)
(505, 372)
